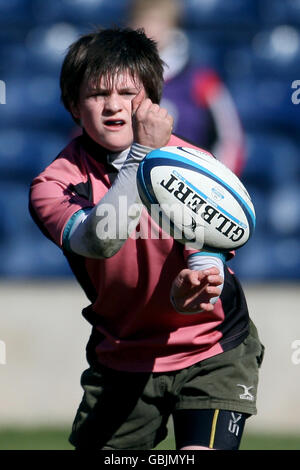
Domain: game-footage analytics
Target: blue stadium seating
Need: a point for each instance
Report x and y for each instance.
(15, 11)
(202, 51)
(25, 257)
(284, 209)
(80, 12)
(272, 160)
(279, 11)
(199, 13)
(33, 99)
(275, 51)
(47, 44)
(268, 258)
(25, 153)
(254, 260)
(262, 60)
(24, 251)
(265, 104)
(255, 46)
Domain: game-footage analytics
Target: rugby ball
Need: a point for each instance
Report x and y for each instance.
(196, 198)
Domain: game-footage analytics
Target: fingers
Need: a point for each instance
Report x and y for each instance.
(213, 270)
(137, 100)
(145, 111)
(192, 291)
(145, 105)
(212, 277)
(206, 307)
(208, 292)
(194, 304)
(213, 291)
(151, 124)
(193, 279)
(215, 280)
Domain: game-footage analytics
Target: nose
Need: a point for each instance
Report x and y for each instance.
(113, 103)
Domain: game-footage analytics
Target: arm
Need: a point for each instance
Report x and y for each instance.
(101, 232)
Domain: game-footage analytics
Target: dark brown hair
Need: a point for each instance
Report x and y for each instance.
(105, 53)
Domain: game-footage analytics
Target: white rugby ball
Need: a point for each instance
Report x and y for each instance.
(196, 198)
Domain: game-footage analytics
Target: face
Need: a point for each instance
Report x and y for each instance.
(105, 111)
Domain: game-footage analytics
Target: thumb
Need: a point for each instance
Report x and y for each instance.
(137, 100)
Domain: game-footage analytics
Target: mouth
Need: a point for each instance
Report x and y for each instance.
(114, 123)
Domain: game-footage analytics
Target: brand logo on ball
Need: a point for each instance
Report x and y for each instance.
(180, 188)
(216, 194)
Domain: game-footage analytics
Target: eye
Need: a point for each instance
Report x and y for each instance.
(128, 93)
(97, 93)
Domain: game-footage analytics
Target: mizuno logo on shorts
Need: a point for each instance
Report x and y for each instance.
(246, 395)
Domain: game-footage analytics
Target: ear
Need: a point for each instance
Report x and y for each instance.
(75, 110)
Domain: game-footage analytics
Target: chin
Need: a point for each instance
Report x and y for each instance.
(113, 143)
(116, 148)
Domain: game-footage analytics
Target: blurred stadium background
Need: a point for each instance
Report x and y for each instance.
(255, 47)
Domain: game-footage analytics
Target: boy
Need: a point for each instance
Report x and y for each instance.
(171, 332)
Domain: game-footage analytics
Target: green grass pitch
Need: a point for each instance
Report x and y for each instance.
(57, 439)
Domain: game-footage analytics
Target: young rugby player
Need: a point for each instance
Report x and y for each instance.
(171, 334)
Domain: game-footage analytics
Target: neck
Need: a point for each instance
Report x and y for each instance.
(93, 148)
(102, 154)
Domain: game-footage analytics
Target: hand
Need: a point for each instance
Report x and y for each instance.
(151, 124)
(192, 290)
